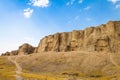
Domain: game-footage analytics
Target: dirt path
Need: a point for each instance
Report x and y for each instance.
(18, 67)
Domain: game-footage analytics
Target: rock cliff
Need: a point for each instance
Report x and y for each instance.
(105, 37)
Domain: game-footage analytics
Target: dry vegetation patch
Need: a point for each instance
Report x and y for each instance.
(7, 69)
(91, 65)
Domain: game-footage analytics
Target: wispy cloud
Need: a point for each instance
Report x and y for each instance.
(87, 8)
(39, 3)
(80, 1)
(77, 17)
(71, 2)
(114, 1)
(117, 6)
(88, 19)
(27, 12)
(68, 3)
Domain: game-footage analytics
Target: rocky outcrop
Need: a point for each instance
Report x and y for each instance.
(23, 49)
(105, 37)
(6, 54)
(26, 49)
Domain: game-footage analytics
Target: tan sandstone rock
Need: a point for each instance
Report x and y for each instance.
(103, 38)
(25, 49)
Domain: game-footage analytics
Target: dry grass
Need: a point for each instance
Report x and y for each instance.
(96, 66)
(69, 66)
(42, 76)
(7, 69)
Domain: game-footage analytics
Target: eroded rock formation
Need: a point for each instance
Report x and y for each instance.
(26, 49)
(23, 49)
(101, 38)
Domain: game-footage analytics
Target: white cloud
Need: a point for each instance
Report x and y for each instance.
(80, 1)
(114, 1)
(70, 3)
(77, 17)
(28, 12)
(39, 3)
(87, 8)
(117, 6)
(88, 19)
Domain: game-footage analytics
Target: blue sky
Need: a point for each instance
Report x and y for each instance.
(28, 21)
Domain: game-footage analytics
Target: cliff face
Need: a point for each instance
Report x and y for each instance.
(104, 38)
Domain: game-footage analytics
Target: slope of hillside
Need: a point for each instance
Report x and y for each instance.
(77, 65)
(80, 65)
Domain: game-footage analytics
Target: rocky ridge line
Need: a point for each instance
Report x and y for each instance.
(103, 38)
